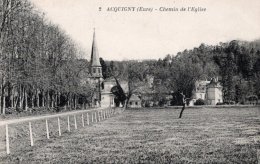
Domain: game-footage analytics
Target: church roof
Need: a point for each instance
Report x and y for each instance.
(94, 53)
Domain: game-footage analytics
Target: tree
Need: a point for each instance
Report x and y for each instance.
(38, 60)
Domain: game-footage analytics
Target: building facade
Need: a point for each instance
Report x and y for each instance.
(209, 91)
(214, 93)
(96, 77)
(134, 102)
(103, 97)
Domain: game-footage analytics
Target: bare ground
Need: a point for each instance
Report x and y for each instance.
(205, 135)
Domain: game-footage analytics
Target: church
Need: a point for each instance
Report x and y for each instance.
(103, 96)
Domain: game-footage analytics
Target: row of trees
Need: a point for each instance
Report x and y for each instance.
(38, 61)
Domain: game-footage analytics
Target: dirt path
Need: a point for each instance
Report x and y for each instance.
(31, 118)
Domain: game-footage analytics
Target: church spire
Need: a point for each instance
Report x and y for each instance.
(95, 67)
(94, 53)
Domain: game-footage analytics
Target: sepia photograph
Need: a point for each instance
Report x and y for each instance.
(129, 81)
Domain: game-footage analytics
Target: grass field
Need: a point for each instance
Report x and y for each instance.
(203, 135)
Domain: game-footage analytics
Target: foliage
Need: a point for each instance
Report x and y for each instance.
(236, 63)
(199, 102)
(38, 61)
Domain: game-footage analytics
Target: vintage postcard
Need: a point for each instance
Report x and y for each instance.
(129, 81)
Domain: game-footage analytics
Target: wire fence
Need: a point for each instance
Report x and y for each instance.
(31, 129)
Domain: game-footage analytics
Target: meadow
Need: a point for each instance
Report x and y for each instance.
(203, 135)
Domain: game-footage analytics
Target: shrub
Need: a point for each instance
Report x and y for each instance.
(220, 103)
(199, 102)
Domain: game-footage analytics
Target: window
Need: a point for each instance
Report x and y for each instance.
(94, 70)
(130, 103)
(136, 103)
(99, 71)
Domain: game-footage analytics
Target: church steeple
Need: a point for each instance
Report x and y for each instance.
(96, 70)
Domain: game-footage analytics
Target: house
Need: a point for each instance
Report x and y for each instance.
(108, 99)
(209, 91)
(200, 89)
(214, 93)
(199, 92)
(134, 102)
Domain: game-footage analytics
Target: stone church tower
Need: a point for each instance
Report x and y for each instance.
(96, 72)
(95, 68)
(103, 97)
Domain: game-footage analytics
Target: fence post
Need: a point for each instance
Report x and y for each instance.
(92, 117)
(75, 122)
(82, 119)
(7, 139)
(47, 129)
(69, 123)
(98, 117)
(101, 115)
(31, 136)
(87, 119)
(59, 126)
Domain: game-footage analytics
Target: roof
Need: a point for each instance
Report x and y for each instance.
(214, 84)
(94, 53)
(134, 98)
(201, 83)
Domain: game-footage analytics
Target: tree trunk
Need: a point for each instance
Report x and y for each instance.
(33, 101)
(183, 107)
(1, 105)
(48, 99)
(1, 112)
(26, 101)
(75, 102)
(16, 98)
(58, 101)
(12, 97)
(52, 100)
(183, 103)
(37, 99)
(68, 101)
(20, 97)
(3, 109)
(43, 99)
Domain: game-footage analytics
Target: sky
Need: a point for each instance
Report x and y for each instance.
(126, 35)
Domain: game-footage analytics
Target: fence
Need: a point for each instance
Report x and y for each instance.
(47, 123)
